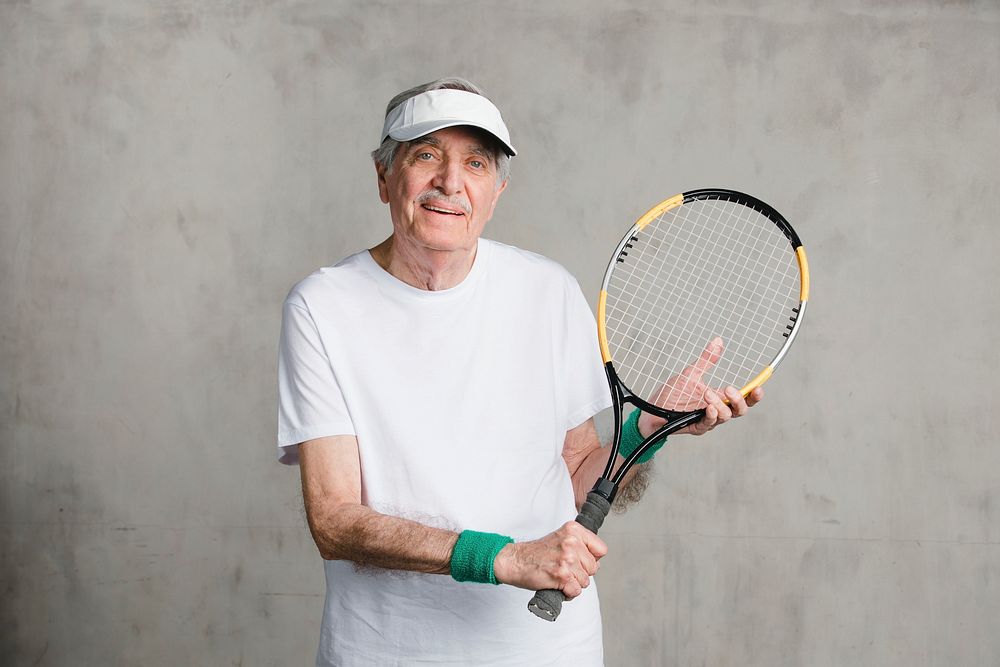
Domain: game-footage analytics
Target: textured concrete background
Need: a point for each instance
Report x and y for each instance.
(169, 169)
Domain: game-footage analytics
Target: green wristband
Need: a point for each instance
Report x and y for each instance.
(632, 438)
(473, 556)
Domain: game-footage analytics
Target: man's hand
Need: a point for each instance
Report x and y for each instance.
(563, 560)
(686, 391)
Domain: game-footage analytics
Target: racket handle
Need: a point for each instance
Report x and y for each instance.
(547, 604)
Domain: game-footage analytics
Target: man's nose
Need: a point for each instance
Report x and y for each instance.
(449, 177)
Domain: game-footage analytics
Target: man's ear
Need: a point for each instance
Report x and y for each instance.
(383, 188)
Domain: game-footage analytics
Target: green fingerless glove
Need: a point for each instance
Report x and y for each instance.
(632, 438)
(473, 556)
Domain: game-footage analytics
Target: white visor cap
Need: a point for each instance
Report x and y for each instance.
(437, 109)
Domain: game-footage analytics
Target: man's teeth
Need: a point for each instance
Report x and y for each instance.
(441, 210)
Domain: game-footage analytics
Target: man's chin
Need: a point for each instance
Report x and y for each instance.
(448, 243)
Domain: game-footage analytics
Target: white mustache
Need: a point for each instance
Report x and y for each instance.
(437, 196)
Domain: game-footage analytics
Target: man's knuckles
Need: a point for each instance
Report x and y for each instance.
(571, 529)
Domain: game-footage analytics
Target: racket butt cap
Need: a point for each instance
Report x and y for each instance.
(547, 604)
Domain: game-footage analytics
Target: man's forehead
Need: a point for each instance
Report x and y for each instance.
(475, 140)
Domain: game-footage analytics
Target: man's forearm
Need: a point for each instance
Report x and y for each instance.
(360, 534)
(592, 467)
(586, 458)
(344, 529)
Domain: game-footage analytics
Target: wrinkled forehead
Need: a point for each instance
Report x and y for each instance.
(461, 133)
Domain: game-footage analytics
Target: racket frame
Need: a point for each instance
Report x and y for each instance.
(547, 604)
(607, 484)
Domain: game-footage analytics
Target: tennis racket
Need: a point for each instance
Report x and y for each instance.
(698, 267)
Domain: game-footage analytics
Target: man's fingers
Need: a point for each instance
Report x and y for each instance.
(572, 589)
(709, 357)
(595, 545)
(572, 570)
(589, 563)
(716, 412)
(584, 546)
(709, 420)
(580, 550)
(585, 568)
(720, 410)
(565, 560)
(737, 403)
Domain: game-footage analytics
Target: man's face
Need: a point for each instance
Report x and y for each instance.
(441, 191)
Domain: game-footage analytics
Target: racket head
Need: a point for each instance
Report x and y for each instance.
(698, 267)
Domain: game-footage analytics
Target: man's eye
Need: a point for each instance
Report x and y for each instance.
(424, 156)
(477, 164)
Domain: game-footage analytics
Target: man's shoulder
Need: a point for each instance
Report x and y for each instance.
(527, 263)
(342, 277)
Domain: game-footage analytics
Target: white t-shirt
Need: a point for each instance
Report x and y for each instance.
(460, 400)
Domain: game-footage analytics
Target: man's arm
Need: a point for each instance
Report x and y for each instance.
(586, 461)
(344, 529)
(585, 458)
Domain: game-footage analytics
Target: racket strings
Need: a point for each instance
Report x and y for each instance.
(712, 295)
(700, 256)
(707, 269)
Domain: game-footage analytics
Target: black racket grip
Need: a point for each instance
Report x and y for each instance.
(547, 604)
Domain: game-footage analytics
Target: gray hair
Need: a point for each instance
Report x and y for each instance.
(386, 153)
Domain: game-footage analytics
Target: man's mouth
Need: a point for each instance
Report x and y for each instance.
(446, 211)
(436, 202)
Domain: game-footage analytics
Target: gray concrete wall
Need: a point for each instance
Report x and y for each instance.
(169, 169)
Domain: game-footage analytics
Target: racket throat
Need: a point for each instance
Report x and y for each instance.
(675, 423)
(605, 488)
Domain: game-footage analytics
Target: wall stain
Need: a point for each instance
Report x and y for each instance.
(185, 229)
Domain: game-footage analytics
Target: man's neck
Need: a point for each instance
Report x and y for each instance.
(431, 270)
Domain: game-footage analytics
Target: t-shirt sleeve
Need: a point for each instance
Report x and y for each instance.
(310, 401)
(586, 386)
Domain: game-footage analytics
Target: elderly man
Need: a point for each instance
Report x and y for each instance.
(438, 391)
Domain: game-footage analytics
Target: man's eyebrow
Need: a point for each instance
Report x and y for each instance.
(482, 152)
(476, 149)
